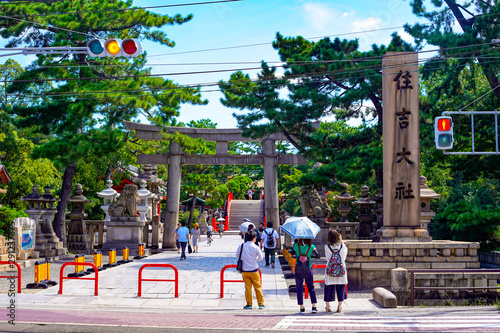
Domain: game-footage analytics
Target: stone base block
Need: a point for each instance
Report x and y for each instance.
(384, 298)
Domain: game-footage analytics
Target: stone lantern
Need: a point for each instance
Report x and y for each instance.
(344, 199)
(144, 207)
(365, 214)
(78, 239)
(42, 207)
(109, 195)
(426, 194)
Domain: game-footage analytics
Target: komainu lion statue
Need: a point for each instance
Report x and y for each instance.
(128, 201)
(312, 204)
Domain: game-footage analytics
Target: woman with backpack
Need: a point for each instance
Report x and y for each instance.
(304, 249)
(335, 272)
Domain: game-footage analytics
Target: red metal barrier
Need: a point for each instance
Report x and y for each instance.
(222, 279)
(176, 279)
(18, 276)
(72, 263)
(319, 281)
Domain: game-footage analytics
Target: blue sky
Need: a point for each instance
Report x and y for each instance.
(257, 21)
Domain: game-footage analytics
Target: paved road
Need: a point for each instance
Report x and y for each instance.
(199, 306)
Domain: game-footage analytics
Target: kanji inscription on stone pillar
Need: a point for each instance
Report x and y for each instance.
(401, 140)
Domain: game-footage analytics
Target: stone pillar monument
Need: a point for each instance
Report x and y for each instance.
(173, 194)
(271, 182)
(78, 239)
(401, 155)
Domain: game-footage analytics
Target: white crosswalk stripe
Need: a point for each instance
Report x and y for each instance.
(444, 322)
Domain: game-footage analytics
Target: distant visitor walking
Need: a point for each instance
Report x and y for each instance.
(183, 238)
(250, 194)
(195, 236)
(335, 272)
(251, 255)
(270, 242)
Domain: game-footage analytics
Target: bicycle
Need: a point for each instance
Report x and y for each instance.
(209, 239)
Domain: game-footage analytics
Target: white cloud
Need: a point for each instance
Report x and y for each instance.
(405, 36)
(318, 15)
(370, 23)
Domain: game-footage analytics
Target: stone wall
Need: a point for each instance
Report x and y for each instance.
(369, 264)
(400, 286)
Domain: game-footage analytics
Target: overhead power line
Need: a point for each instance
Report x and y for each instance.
(203, 85)
(374, 58)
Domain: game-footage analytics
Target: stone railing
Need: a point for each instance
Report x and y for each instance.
(369, 264)
(489, 259)
(441, 286)
(96, 229)
(348, 230)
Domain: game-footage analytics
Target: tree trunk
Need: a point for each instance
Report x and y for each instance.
(467, 25)
(191, 212)
(60, 217)
(109, 170)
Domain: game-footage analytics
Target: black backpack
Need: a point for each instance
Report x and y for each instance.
(270, 240)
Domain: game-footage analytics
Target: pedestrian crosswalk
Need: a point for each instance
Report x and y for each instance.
(406, 323)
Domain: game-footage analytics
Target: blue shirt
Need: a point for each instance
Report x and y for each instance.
(183, 233)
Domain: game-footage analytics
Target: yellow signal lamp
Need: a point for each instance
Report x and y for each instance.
(113, 47)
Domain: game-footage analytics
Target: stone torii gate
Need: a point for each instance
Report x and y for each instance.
(176, 157)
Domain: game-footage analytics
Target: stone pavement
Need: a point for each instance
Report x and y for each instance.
(199, 305)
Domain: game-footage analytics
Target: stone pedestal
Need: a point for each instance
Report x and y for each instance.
(403, 235)
(124, 231)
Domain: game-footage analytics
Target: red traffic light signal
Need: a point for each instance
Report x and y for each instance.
(443, 132)
(114, 47)
(444, 124)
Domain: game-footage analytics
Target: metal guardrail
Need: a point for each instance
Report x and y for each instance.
(222, 279)
(446, 271)
(72, 263)
(176, 278)
(18, 276)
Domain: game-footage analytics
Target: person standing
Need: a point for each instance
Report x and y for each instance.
(195, 236)
(251, 227)
(183, 238)
(251, 255)
(303, 250)
(335, 272)
(270, 241)
(250, 194)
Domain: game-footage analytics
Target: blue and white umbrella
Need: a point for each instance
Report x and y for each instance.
(300, 227)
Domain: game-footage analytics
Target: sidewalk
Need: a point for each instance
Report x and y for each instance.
(199, 284)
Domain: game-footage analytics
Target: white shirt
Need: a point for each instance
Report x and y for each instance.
(251, 256)
(329, 280)
(271, 233)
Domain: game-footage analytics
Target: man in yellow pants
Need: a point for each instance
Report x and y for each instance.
(251, 255)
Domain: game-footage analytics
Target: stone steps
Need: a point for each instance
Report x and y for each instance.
(241, 209)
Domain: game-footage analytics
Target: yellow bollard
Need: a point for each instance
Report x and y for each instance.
(140, 251)
(111, 259)
(79, 258)
(125, 256)
(97, 262)
(42, 276)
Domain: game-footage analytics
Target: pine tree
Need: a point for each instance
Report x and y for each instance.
(79, 101)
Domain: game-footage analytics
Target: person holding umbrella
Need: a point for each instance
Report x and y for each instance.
(304, 231)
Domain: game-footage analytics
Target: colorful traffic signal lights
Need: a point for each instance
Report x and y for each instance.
(114, 47)
(443, 132)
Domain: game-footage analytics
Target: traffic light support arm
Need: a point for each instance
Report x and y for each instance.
(472, 113)
(46, 50)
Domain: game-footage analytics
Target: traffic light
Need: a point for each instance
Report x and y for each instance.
(443, 131)
(114, 47)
